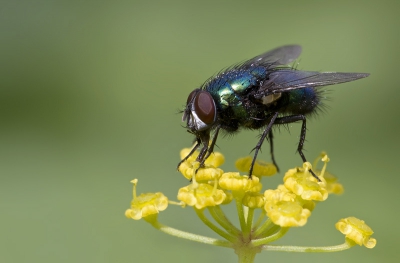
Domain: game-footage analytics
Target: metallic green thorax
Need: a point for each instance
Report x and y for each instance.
(229, 91)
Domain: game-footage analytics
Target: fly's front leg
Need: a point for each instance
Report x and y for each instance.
(205, 139)
(294, 118)
(211, 147)
(203, 151)
(198, 141)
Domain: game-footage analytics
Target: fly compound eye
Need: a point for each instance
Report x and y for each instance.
(191, 96)
(204, 107)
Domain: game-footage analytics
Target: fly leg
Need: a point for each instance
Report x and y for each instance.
(211, 147)
(271, 144)
(200, 157)
(190, 154)
(205, 139)
(260, 142)
(294, 118)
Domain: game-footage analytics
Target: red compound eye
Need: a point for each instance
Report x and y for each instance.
(204, 107)
(191, 95)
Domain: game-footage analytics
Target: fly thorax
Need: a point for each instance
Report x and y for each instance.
(226, 96)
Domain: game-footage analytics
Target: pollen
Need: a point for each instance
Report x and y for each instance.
(300, 181)
(146, 204)
(356, 230)
(260, 168)
(286, 213)
(201, 196)
(239, 183)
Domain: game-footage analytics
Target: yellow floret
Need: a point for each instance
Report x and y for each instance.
(253, 200)
(188, 169)
(201, 196)
(286, 213)
(237, 183)
(215, 159)
(357, 231)
(146, 204)
(260, 168)
(228, 198)
(283, 194)
(280, 194)
(332, 186)
(301, 182)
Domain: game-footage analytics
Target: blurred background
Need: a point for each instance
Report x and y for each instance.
(89, 100)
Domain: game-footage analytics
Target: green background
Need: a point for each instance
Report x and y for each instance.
(89, 95)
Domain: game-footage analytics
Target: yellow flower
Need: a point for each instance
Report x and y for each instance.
(201, 196)
(239, 184)
(300, 181)
(306, 204)
(253, 200)
(280, 194)
(188, 169)
(356, 230)
(286, 213)
(283, 194)
(216, 159)
(228, 198)
(146, 204)
(332, 186)
(285, 208)
(185, 151)
(260, 168)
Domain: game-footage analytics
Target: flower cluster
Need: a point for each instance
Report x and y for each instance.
(289, 205)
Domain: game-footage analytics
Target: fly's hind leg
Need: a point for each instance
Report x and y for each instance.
(271, 144)
(294, 118)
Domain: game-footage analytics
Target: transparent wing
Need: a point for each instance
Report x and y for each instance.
(286, 80)
(279, 56)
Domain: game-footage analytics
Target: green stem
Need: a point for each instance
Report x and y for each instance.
(269, 239)
(259, 220)
(337, 248)
(249, 223)
(193, 237)
(239, 208)
(266, 226)
(272, 229)
(219, 216)
(246, 255)
(213, 227)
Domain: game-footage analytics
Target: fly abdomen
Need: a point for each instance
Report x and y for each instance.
(302, 101)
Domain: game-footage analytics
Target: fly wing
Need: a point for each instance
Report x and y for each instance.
(286, 80)
(279, 56)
